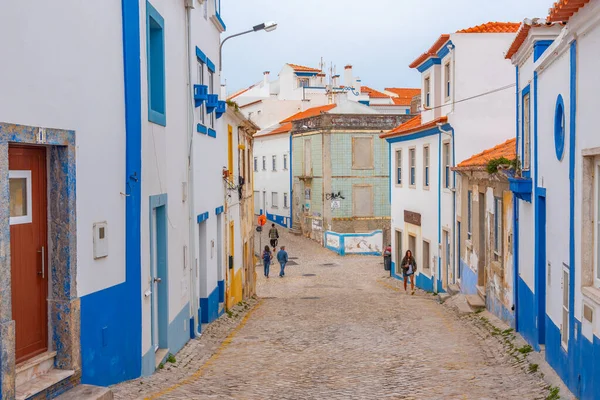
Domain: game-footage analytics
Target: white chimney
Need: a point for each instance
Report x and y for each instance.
(336, 81)
(266, 75)
(358, 84)
(348, 78)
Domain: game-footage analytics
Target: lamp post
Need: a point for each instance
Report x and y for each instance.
(266, 26)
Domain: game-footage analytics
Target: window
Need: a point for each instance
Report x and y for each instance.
(427, 91)
(155, 48)
(399, 167)
(526, 132)
(303, 82)
(274, 201)
(412, 158)
(201, 110)
(362, 152)
(559, 127)
(362, 200)
(426, 166)
(469, 214)
(264, 166)
(564, 327)
(274, 166)
(285, 201)
(20, 206)
(447, 80)
(211, 89)
(426, 258)
(447, 165)
(285, 167)
(498, 235)
(255, 164)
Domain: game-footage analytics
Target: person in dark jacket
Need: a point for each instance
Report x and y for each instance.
(409, 267)
(282, 257)
(267, 257)
(273, 235)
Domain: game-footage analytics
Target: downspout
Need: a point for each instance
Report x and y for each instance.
(439, 246)
(516, 216)
(193, 262)
(291, 198)
(451, 134)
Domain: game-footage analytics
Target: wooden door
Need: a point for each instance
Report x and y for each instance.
(28, 248)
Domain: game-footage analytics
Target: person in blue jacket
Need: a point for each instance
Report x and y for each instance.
(282, 257)
(267, 257)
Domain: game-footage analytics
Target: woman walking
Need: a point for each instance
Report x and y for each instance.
(409, 267)
(267, 257)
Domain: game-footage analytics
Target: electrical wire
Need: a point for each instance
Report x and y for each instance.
(472, 97)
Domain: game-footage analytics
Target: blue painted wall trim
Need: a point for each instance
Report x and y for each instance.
(221, 286)
(559, 127)
(390, 171)
(439, 216)
(468, 279)
(202, 217)
(219, 210)
(572, 136)
(200, 55)
(428, 64)
(527, 314)
(209, 307)
(212, 133)
(444, 51)
(526, 90)
(223, 26)
(539, 47)
(418, 135)
(210, 65)
(117, 311)
(201, 129)
(178, 337)
(291, 166)
(155, 61)
(364, 102)
(306, 73)
(282, 220)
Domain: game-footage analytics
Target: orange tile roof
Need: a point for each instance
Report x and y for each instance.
(302, 68)
(413, 125)
(239, 92)
(311, 112)
(522, 36)
(283, 128)
(405, 95)
(431, 52)
(251, 103)
(507, 150)
(563, 10)
(373, 93)
(493, 27)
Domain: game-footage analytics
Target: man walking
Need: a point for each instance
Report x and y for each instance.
(273, 235)
(282, 257)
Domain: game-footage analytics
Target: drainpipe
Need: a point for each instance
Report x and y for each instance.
(451, 134)
(192, 261)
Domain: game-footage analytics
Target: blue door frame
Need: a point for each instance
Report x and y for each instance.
(540, 267)
(158, 210)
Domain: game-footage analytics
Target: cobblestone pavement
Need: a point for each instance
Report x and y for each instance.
(339, 328)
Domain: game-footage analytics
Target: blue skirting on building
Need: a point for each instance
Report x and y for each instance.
(468, 279)
(209, 307)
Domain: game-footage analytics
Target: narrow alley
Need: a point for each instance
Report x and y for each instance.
(339, 328)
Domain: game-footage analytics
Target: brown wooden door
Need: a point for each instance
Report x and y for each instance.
(29, 249)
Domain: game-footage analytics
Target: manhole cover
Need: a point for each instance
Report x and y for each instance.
(310, 298)
(329, 265)
(291, 263)
(309, 275)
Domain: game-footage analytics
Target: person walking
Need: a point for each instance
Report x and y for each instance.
(409, 267)
(273, 235)
(267, 257)
(282, 257)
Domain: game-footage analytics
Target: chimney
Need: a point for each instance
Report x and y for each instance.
(266, 77)
(415, 104)
(348, 78)
(358, 84)
(336, 81)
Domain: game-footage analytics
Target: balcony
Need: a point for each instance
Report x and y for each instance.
(212, 103)
(200, 94)
(221, 109)
(521, 188)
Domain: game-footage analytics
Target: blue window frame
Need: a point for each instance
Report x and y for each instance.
(155, 49)
(526, 130)
(559, 127)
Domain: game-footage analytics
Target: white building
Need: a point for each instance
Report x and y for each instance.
(110, 281)
(556, 190)
(466, 109)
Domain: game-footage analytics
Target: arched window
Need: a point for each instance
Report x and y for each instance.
(559, 128)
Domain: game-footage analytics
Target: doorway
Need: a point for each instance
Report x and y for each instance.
(481, 245)
(446, 261)
(399, 252)
(28, 249)
(264, 203)
(158, 272)
(540, 289)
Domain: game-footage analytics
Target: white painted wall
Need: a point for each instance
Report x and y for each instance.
(50, 86)
(273, 181)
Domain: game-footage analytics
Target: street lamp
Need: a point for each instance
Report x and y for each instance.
(266, 26)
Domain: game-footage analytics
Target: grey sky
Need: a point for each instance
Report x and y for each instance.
(378, 37)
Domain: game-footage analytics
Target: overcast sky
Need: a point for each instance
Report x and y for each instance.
(378, 37)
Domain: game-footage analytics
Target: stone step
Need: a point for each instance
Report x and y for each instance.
(453, 289)
(41, 383)
(475, 302)
(87, 392)
(481, 292)
(442, 297)
(34, 367)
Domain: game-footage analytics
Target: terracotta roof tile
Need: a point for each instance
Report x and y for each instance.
(373, 93)
(563, 10)
(405, 95)
(413, 125)
(311, 112)
(522, 35)
(432, 52)
(302, 68)
(493, 27)
(506, 150)
(240, 92)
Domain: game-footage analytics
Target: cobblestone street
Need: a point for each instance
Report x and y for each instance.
(339, 328)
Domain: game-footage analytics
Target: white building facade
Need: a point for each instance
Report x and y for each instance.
(465, 109)
(128, 266)
(556, 191)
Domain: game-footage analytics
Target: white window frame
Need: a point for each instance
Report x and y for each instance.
(201, 109)
(447, 81)
(211, 89)
(426, 261)
(306, 80)
(285, 200)
(274, 200)
(527, 132)
(427, 91)
(255, 164)
(412, 167)
(469, 214)
(285, 162)
(264, 163)
(399, 167)
(447, 164)
(274, 163)
(426, 167)
(28, 217)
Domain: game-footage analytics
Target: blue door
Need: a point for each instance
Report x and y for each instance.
(540, 289)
